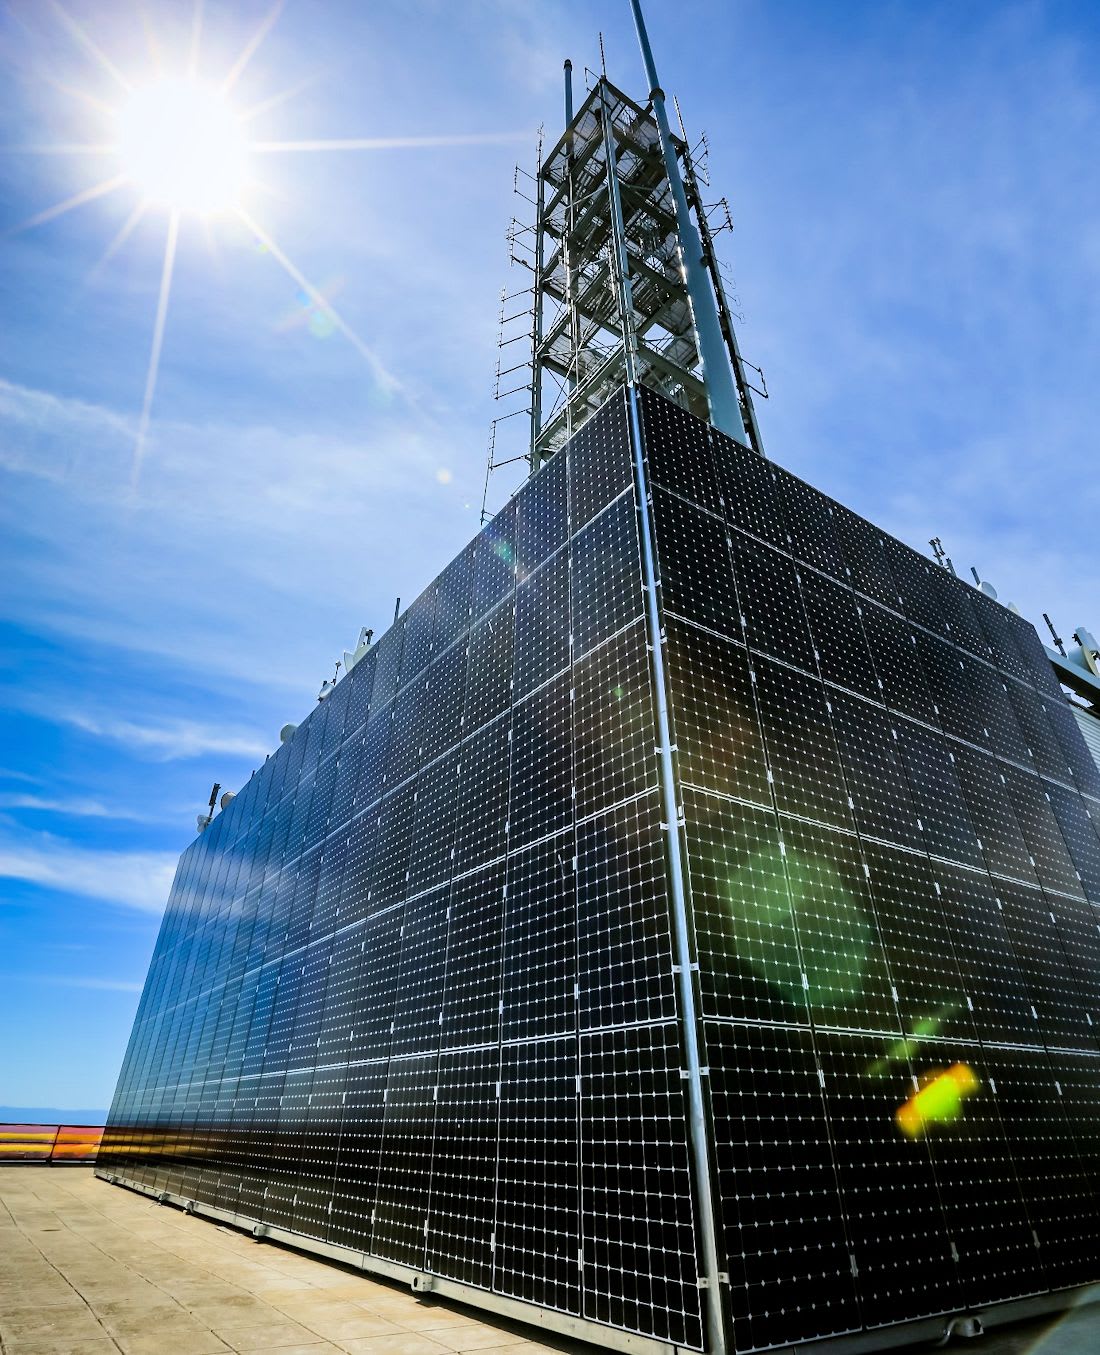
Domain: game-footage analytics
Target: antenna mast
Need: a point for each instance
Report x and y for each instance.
(725, 408)
(624, 281)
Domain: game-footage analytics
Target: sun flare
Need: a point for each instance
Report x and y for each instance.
(178, 144)
(183, 147)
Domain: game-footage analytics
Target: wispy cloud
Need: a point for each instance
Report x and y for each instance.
(314, 520)
(140, 880)
(77, 981)
(75, 807)
(168, 741)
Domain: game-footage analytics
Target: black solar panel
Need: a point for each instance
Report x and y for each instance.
(416, 992)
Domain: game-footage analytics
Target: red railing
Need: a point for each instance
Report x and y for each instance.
(49, 1143)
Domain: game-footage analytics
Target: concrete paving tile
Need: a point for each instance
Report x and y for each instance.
(143, 1316)
(371, 1324)
(265, 1335)
(533, 1347)
(408, 1343)
(54, 1324)
(66, 1347)
(352, 1287)
(477, 1337)
(191, 1293)
(237, 1311)
(171, 1343)
(281, 1286)
(314, 1306)
(30, 1300)
(314, 1348)
(436, 1317)
(396, 1307)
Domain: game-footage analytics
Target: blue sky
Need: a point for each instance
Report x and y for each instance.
(917, 256)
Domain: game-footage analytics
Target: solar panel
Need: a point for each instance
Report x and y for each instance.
(416, 993)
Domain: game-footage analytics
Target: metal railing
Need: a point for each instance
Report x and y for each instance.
(47, 1144)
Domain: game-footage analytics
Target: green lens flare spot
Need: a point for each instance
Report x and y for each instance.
(835, 933)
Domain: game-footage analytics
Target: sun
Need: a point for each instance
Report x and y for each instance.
(177, 143)
(183, 147)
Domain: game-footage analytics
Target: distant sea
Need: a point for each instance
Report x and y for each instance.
(52, 1115)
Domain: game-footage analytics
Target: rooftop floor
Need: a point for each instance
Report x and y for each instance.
(87, 1268)
(91, 1269)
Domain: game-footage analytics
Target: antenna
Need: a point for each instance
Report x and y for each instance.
(942, 558)
(202, 823)
(680, 118)
(1055, 637)
(603, 62)
(329, 684)
(725, 408)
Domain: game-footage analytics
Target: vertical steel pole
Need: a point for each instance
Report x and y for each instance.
(725, 316)
(535, 456)
(618, 243)
(699, 1138)
(725, 409)
(566, 252)
(568, 93)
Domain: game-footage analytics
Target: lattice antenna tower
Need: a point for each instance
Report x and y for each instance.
(627, 285)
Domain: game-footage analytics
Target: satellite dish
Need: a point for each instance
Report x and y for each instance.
(366, 635)
(226, 799)
(201, 822)
(327, 688)
(287, 733)
(1013, 609)
(987, 588)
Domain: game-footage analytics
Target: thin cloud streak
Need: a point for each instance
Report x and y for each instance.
(393, 143)
(77, 981)
(167, 742)
(77, 808)
(138, 880)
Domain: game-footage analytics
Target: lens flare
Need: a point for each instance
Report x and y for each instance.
(183, 146)
(938, 1102)
(815, 906)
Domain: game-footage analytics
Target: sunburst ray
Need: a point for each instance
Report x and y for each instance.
(196, 40)
(291, 91)
(62, 148)
(157, 345)
(266, 24)
(381, 375)
(87, 195)
(121, 236)
(71, 92)
(102, 60)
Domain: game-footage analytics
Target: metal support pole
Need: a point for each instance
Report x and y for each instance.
(618, 243)
(567, 251)
(535, 456)
(568, 93)
(725, 409)
(711, 1295)
(725, 315)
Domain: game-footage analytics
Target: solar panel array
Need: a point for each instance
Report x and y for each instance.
(414, 993)
(894, 873)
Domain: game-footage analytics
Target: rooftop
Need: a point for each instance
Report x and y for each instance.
(87, 1268)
